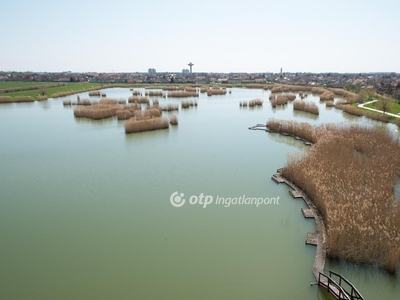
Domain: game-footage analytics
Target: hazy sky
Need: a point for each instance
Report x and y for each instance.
(217, 36)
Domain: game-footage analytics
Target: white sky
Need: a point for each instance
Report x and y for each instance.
(217, 36)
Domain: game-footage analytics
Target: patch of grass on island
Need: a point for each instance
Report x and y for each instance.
(393, 107)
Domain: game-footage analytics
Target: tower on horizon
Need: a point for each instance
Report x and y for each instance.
(190, 65)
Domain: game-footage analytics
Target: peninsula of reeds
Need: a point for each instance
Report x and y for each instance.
(350, 175)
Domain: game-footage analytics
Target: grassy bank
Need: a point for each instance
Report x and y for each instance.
(350, 175)
(393, 107)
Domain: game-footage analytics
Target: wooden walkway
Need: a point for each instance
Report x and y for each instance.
(319, 237)
(339, 287)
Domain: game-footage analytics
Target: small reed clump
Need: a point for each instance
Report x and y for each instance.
(94, 94)
(67, 102)
(181, 94)
(156, 102)
(327, 96)
(187, 104)
(136, 93)
(330, 103)
(278, 100)
(145, 124)
(136, 99)
(349, 109)
(42, 98)
(216, 91)
(255, 102)
(170, 107)
(243, 103)
(307, 106)
(84, 102)
(124, 114)
(173, 120)
(103, 95)
(154, 93)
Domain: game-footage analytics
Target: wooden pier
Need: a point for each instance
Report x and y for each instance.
(341, 289)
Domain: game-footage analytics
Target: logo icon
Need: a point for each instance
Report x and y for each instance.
(177, 199)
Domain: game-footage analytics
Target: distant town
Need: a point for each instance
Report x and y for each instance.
(384, 83)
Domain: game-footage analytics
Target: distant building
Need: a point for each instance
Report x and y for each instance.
(152, 71)
(185, 72)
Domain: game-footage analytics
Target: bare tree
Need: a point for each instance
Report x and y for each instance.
(384, 104)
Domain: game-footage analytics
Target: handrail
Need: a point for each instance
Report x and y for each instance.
(336, 289)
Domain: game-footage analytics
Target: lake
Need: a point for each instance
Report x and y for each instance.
(86, 211)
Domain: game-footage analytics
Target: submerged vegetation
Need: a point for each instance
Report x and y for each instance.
(350, 175)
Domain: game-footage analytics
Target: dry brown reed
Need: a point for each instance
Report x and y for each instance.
(350, 175)
(108, 101)
(307, 106)
(136, 93)
(67, 102)
(173, 120)
(154, 93)
(349, 96)
(255, 102)
(23, 99)
(349, 109)
(243, 103)
(290, 97)
(124, 114)
(145, 124)
(187, 104)
(6, 99)
(170, 107)
(330, 103)
(170, 88)
(203, 89)
(255, 86)
(97, 111)
(190, 89)
(278, 100)
(42, 98)
(216, 91)
(182, 94)
(94, 94)
(327, 96)
(136, 99)
(287, 88)
(103, 95)
(85, 102)
(156, 102)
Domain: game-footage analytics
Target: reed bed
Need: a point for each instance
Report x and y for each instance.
(85, 102)
(307, 106)
(212, 92)
(173, 120)
(136, 93)
(170, 107)
(327, 96)
(145, 124)
(23, 99)
(6, 99)
(278, 100)
(302, 130)
(243, 103)
(255, 86)
(170, 88)
(182, 94)
(97, 111)
(103, 95)
(156, 102)
(330, 103)
(350, 175)
(190, 89)
(94, 94)
(42, 98)
(287, 88)
(124, 114)
(132, 107)
(154, 93)
(151, 112)
(109, 101)
(203, 89)
(349, 96)
(255, 102)
(350, 109)
(67, 102)
(64, 94)
(136, 99)
(187, 104)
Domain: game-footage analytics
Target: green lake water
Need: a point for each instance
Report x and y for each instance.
(85, 209)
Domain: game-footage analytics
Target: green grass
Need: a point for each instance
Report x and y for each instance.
(50, 91)
(394, 107)
(20, 84)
